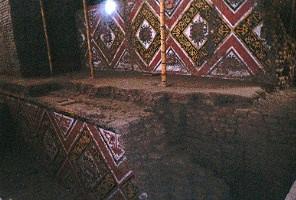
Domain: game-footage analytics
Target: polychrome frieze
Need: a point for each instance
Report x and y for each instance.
(81, 155)
(200, 31)
(204, 38)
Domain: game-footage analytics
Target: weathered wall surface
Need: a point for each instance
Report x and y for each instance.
(9, 62)
(251, 147)
(219, 39)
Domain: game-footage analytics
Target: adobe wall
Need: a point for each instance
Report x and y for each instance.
(242, 39)
(252, 148)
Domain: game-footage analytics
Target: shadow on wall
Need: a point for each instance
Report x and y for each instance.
(30, 38)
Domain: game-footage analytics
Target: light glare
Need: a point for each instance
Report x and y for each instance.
(110, 7)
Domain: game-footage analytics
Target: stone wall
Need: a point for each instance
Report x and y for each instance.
(9, 63)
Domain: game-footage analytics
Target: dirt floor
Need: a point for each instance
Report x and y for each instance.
(148, 82)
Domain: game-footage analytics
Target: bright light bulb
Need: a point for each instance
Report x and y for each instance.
(110, 7)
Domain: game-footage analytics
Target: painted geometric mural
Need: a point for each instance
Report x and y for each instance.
(108, 37)
(250, 31)
(79, 154)
(146, 31)
(204, 38)
(230, 66)
(235, 4)
(174, 64)
(200, 31)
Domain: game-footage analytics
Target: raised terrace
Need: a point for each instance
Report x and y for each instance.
(205, 137)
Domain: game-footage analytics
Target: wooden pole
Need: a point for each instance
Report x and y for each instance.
(85, 10)
(163, 44)
(42, 9)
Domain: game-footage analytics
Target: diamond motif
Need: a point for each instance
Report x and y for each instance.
(197, 31)
(147, 40)
(230, 66)
(146, 34)
(108, 37)
(174, 63)
(205, 23)
(231, 56)
(235, 4)
(50, 145)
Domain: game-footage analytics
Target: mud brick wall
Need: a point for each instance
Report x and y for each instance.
(162, 169)
(252, 148)
(8, 54)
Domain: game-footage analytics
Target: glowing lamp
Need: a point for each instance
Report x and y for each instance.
(110, 7)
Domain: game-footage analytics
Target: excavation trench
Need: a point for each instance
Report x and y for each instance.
(188, 145)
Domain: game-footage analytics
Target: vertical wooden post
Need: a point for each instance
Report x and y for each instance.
(42, 9)
(163, 44)
(85, 10)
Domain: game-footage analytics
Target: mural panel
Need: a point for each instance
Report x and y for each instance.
(79, 154)
(200, 33)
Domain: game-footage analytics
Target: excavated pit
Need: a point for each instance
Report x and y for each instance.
(187, 144)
